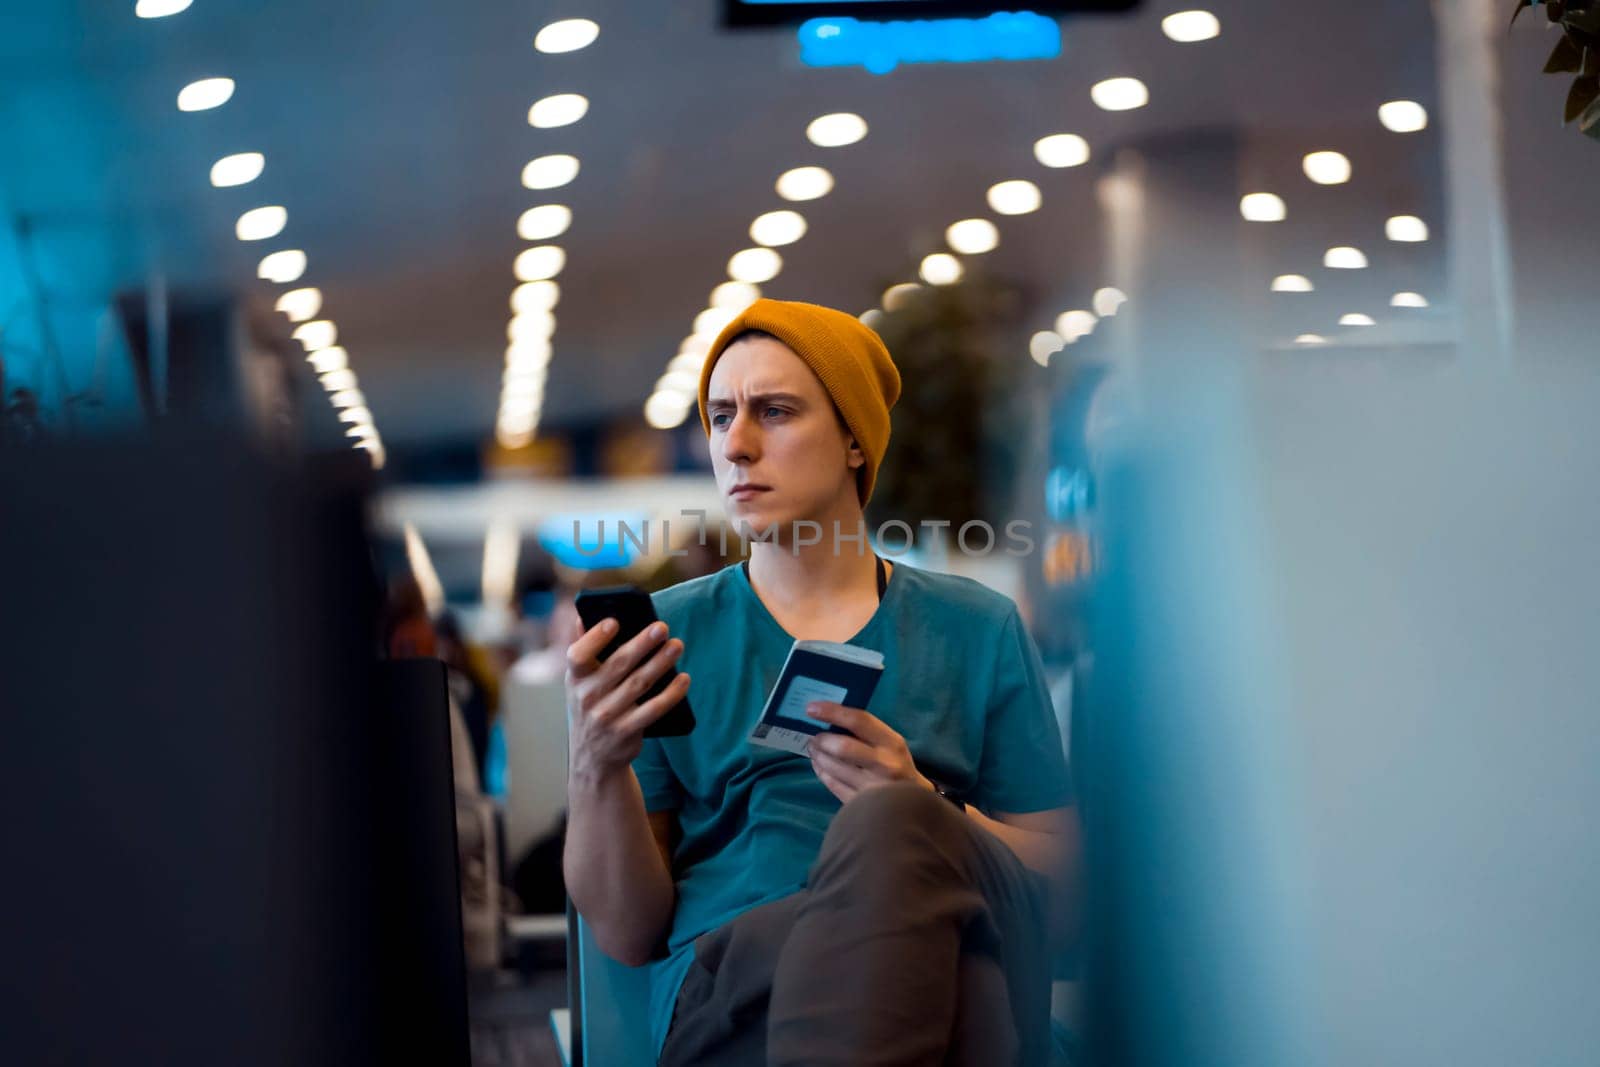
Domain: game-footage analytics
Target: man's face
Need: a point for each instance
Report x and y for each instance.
(780, 452)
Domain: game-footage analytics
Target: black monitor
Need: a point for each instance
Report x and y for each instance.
(793, 12)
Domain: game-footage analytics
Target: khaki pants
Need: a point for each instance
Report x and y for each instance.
(919, 939)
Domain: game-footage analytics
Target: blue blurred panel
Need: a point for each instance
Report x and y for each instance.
(881, 46)
(597, 542)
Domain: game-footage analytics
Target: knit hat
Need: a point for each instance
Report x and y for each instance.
(843, 352)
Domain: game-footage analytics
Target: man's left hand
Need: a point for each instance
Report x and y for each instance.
(875, 756)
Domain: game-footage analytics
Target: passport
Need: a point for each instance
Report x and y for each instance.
(815, 670)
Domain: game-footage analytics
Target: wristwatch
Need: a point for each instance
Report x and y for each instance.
(950, 795)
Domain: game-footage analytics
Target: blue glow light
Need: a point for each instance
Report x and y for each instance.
(882, 46)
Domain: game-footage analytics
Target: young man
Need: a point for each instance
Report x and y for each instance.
(887, 899)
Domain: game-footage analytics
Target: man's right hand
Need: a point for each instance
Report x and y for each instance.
(606, 723)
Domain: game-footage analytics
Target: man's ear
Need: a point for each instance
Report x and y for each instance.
(856, 458)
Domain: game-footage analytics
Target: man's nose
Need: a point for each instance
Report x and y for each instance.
(741, 442)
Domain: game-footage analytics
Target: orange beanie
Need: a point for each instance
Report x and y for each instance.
(843, 352)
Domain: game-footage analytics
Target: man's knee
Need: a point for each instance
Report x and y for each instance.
(893, 837)
(886, 814)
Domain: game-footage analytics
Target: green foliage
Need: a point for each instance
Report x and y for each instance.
(1578, 53)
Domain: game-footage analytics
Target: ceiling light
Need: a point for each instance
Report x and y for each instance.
(282, 267)
(755, 265)
(513, 441)
(941, 268)
(1109, 301)
(972, 237)
(528, 388)
(711, 321)
(260, 223)
(664, 411)
(897, 296)
(1263, 207)
(686, 363)
(530, 326)
(778, 228)
(518, 405)
(355, 415)
(568, 35)
(1061, 150)
(1327, 168)
(1044, 344)
(675, 382)
(1072, 325)
(1408, 300)
(157, 9)
(1291, 283)
(300, 304)
(1344, 258)
(1017, 197)
(872, 318)
(804, 183)
(735, 295)
(528, 357)
(205, 94)
(1311, 339)
(562, 109)
(1356, 318)
(1187, 27)
(338, 380)
(1403, 116)
(1120, 94)
(347, 398)
(544, 223)
(836, 130)
(536, 373)
(317, 335)
(328, 359)
(550, 172)
(240, 169)
(535, 296)
(694, 344)
(540, 263)
(1406, 228)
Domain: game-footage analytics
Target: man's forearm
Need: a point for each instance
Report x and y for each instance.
(613, 870)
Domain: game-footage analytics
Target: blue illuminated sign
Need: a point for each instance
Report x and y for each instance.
(882, 46)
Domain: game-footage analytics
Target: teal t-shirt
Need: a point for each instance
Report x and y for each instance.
(962, 682)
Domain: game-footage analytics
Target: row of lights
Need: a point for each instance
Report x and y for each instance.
(676, 390)
(529, 334)
(1334, 168)
(319, 337)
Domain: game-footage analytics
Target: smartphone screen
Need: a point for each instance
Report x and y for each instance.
(632, 609)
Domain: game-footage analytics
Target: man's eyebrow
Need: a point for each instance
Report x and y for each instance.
(756, 399)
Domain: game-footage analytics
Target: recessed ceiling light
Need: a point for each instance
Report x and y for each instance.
(1120, 94)
(941, 268)
(1311, 339)
(357, 415)
(205, 94)
(562, 109)
(157, 9)
(1016, 197)
(972, 237)
(316, 335)
(1044, 344)
(282, 267)
(336, 381)
(300, 304)
(778, 228)
(1408, 300)
(1187, 27)
(347, 398)
(530, 326)
(550, 172)
(239, 169)
(568, 35)
(665, 410)
(1356, 318)
(1291, 283)
(1406, 228)
(735, 295)
(1061, 150)
(1072, 325)
(836, 130)
(540, 263)
(544, 222)
(1344, 258)
(676, 382)
(896, 296)
(330, 358)
(1403, 116)
(1109, 301)
(1263, 207)
(710, 322)
(1327, 168)
(261, 223)
(361, 430)
(535, 296)
(755, 265)
(805, 183)
(686, 363)
(872, 318)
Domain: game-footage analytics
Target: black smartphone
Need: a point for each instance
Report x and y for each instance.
(632, 609)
